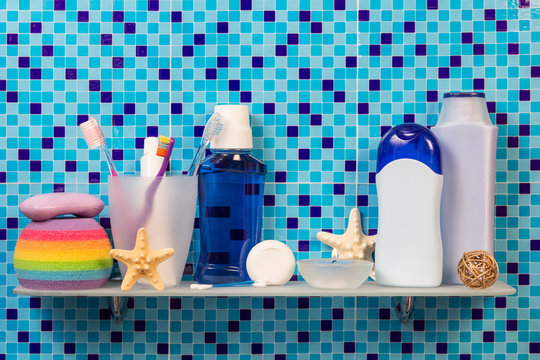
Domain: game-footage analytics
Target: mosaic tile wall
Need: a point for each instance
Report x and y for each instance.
(324, 79)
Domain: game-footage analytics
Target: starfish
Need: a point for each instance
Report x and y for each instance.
(354, 244)
(142, 262)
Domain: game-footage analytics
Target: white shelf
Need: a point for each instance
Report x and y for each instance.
(300, 288)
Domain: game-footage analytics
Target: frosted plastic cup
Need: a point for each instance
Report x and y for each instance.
(165, 207)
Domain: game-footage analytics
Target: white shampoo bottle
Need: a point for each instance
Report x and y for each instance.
(409, 184)
(468, 143)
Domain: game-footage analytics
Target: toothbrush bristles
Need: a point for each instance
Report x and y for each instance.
(163, 146)
(213, 127)
(92, 133)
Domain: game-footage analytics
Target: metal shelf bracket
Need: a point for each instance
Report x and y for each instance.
(118, 307)
(404, 306)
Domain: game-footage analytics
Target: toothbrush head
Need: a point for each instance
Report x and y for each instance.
(92, 133)
(213, 128)
(164, 143)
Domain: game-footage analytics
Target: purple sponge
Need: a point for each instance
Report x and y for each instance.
(47, 206)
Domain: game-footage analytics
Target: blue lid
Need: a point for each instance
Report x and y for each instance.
(410, 141)
(463, 94)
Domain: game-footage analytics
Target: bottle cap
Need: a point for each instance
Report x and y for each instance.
(150, 145)
(236, 132)
(464, 108)
(409, 141)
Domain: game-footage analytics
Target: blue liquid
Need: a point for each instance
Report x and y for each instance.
(231, 186)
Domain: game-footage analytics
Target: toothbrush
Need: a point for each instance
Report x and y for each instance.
(94, 138)
(233, 284)
(212, 129)
(166, 145)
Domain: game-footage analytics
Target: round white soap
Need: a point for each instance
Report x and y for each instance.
(272, 262)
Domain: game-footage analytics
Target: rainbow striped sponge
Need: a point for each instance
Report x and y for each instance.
(67, 253)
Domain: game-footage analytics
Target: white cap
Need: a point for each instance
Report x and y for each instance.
(236, 132)
(459, 108)
(150, 145)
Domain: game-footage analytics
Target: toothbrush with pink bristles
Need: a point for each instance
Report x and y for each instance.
(94, 138)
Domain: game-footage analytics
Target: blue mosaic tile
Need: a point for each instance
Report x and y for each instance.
(324, 80)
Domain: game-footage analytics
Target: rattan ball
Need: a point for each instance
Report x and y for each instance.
(478, 269)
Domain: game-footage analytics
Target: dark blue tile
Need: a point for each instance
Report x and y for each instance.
(315, 211)
(269, 15)
(162, 348)
(245, 5)
(363, 108)
(489, 14)
(441, 348)
(256, 348)
(292, 39)
(222, 349)
(304, 15)
(501, 25)
(164, 74)
(292, 223)
(69, 348)
(211, 74)
(304, 154)
(222, 27)
(199, 39)
(176, 16)
(47, 50)
(409, 27)
(129, 109)
(303, 336)
(83, 16)
(339, 4)
(304, 73)
(432, 4)
(245, 96)
(12, 39)
(35, 28)
(71, 74)
(269, 200)
(292, 131)
(23, 336)
(141, 50)
(257, 62)
(60, 5)
(362, 200)
(106, 39)
(349, 347)
(24, 62)
(153, 5)
(35, 108)
(94, 85)
(35, 74)
(223, 62)
(118, 16)
(210, 338)
(316, 27)
(245, 314)
(269, 108)
(467, 38)
(130, 28)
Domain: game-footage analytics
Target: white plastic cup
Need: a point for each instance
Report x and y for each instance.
(165, 207)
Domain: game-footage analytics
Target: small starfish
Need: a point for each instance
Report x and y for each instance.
(142, 262)
(354, 244)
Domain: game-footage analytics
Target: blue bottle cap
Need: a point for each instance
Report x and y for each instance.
(410, 141)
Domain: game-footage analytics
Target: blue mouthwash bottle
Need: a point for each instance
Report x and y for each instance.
(231, 184)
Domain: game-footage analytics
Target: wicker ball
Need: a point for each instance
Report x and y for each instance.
(478, 269)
